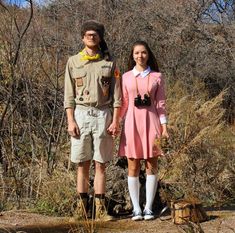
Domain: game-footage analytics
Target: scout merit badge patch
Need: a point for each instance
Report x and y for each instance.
(79, 82)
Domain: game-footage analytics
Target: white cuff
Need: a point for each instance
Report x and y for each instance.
(163, 120)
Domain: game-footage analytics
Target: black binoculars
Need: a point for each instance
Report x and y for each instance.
(146, 101)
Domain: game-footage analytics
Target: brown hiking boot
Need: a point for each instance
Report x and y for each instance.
(81, 210)
(101, 213)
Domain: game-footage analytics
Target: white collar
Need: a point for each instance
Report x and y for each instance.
(142, 74)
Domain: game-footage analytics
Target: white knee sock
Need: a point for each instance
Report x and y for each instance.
(151, 188)
(134, 190)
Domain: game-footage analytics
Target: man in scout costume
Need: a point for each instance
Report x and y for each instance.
(92, 90)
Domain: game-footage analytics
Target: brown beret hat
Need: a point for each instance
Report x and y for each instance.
(94, 26)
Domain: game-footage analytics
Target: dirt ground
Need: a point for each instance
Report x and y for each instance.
(220, 221)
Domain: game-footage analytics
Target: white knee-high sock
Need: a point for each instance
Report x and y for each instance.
(134, 190)
(151, 188)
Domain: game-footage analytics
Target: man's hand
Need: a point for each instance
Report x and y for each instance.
(73, 129)
(113, 129)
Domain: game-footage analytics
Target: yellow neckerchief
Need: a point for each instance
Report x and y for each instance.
(86, 57)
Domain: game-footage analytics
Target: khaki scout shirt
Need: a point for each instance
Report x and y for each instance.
(91, 83)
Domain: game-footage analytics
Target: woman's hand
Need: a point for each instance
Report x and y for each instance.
(113, 129)
(164, 131)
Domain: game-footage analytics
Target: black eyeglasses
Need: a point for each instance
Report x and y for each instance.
(91, 35)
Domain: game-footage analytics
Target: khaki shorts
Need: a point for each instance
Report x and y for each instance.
(94, 142)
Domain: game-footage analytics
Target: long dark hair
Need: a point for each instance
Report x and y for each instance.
(152, 62)
(104, 50)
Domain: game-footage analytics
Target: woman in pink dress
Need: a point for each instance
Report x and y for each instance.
(144, 114)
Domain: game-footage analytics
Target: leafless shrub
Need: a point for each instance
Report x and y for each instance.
(196, 57)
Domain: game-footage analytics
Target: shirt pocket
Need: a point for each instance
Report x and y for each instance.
(106, 72)
(105, 80)
(80, 77)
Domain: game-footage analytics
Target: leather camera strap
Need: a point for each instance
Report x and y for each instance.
(137, 89)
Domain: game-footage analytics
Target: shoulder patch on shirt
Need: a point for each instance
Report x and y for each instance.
(117, 74)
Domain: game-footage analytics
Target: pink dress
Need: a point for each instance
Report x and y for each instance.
(142, 125)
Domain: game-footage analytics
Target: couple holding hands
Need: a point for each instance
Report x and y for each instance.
(96, 99)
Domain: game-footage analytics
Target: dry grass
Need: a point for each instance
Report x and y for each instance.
(58, 193)
(200, 162)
